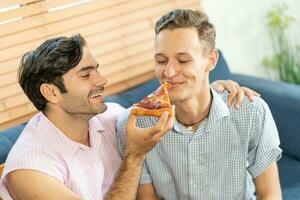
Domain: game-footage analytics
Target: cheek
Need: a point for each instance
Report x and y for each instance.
(189, 73)
(159, 72)
(194, 71)
(80, 93)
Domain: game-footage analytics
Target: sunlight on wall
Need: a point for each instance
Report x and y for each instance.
(242, 34)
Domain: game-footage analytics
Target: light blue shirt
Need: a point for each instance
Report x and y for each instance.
(219, 161)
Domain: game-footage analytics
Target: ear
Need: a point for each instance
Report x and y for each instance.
(213, 59)
(50, 92)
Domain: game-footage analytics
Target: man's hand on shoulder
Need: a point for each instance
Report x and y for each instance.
(236, 92)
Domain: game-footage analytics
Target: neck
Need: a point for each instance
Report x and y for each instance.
(75, 127)
(192, 111)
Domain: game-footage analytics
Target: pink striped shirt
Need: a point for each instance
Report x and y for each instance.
(87, 171)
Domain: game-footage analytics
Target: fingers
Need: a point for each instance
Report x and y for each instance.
(232, 88)
(141, 140)
(160, 125)
(131, 123)
(168, 126)
(250, 93)
(239, 98)
(236, 92)
(163, 126)
(218, 87)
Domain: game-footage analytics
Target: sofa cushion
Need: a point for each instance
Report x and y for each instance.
(289, 172)
(7, 139)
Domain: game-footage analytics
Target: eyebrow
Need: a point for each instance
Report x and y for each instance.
(87, 68)
(177, 54)
(159, 54)
(183, 54)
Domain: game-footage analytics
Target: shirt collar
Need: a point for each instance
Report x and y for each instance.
(218, 109)
(96, 124)
(61, 142)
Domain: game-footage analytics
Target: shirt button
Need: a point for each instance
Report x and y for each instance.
(190, 128)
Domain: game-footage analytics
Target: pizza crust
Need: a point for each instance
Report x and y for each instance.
(137, 110)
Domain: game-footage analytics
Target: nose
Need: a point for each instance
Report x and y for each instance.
(170, 70)
(100, 80)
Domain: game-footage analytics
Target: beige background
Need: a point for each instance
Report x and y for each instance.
(119, 33)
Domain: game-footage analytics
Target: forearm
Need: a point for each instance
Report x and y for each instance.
(267, 184)
(127, 180)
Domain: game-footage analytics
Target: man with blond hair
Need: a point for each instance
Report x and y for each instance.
(213, 151)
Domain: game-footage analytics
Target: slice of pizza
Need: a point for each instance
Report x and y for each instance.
(155, 103)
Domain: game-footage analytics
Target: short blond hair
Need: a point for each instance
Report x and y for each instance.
(186, 18)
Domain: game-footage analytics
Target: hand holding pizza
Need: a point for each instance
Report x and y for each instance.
(139, 141)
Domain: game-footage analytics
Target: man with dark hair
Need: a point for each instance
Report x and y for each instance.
(69, 149)
(212, 151)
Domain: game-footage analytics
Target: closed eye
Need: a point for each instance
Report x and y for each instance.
(161, 62)
(183, 61)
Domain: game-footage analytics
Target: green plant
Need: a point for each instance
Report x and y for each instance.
(285, 59)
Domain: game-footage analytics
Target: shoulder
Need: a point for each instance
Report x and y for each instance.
(256, 107)
(259, 108)
(35, 145)
(32, 153)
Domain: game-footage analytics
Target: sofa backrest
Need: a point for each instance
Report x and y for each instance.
(7, 139)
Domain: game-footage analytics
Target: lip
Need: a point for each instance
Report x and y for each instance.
(175, 84)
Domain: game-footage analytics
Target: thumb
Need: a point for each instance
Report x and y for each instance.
(131, 123)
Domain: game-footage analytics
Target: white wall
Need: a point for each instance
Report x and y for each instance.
(242, 34)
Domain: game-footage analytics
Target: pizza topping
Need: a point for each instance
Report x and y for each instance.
(148, 103)
(158, 99)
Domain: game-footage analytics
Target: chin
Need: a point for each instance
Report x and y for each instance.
(177, 96)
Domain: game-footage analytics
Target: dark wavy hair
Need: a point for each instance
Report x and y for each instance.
(47, 64)
(186, 18)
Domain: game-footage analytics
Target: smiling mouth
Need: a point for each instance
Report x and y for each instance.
(172, 85)
(99, 94)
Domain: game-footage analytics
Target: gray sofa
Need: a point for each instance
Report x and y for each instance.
(284, 102)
